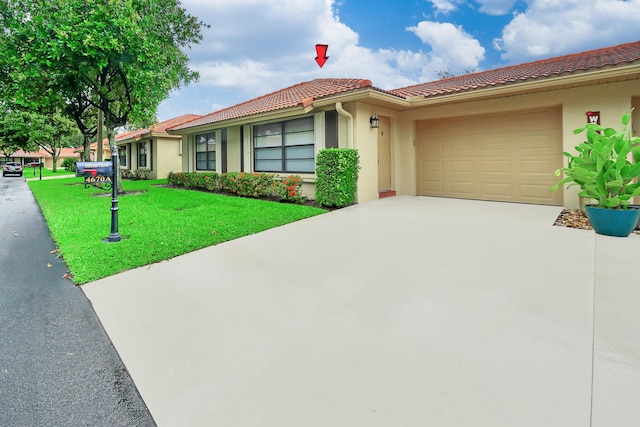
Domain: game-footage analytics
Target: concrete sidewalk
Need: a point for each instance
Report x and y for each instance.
(400, 312)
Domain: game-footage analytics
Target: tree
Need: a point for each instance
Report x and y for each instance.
(52, 133)
(121, 56)
(86, 117)
(15, 133)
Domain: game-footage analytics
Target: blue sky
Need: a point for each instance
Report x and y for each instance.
(258, 46)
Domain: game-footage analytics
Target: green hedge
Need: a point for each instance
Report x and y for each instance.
(136, 174)
(256, 185)
(337, 176)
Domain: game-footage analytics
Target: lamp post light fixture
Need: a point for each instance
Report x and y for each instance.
(375, 122)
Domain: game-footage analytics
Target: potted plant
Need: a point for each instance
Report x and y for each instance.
(606, 169)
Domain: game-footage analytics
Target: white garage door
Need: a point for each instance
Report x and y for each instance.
(508, 157)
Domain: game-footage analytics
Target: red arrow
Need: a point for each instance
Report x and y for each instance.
(321, 50)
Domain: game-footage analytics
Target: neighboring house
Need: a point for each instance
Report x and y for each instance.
(153, 148)
(93, 150)
(25, 157)
(493, 135)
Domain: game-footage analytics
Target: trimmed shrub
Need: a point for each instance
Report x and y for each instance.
(69, 164)
(337, 176)
(289, 189)
(256, 185)
(248, 184)
(136, 174)
(239, 183)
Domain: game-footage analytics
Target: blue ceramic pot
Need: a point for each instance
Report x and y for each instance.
(612, 222)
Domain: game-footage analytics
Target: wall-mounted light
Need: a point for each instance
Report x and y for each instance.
(375, 122)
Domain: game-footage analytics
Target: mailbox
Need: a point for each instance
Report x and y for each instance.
(94, 169)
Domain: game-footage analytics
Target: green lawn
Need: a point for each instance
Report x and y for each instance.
(156, 225)
(28, 172)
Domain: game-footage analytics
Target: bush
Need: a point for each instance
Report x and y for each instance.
(289, 189)
(248, 184)
(337, 176)
(136, 174)
(242, 184)
(69, 164)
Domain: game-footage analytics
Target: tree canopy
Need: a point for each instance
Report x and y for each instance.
(123, 56)
(120, 56)
(14, 131)
(52, 132)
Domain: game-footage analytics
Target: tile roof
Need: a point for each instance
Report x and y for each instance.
(158, 127)
(625, 53)
(301, 94)
(304, 94)
(41, 153)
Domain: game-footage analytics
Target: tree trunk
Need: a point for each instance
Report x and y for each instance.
(99, 137)
(86, 149)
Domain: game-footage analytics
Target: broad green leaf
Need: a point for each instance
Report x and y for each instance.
(613, 202)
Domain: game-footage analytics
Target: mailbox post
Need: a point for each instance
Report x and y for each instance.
(115, 235)
(104, 176)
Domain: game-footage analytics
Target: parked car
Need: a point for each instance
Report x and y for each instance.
(12, 168)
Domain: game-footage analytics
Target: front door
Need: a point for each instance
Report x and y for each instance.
(384, 155)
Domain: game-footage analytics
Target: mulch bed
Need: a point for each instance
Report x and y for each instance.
(575, 218)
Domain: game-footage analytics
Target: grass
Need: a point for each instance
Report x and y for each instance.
(157, 224)
(28, 172)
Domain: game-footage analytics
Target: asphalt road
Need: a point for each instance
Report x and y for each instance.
(57, 364)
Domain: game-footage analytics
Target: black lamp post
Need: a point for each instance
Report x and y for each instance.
(115, 235)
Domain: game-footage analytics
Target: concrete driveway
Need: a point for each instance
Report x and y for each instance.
(400, 312)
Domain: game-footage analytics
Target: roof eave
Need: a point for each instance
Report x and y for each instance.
(586, 78)
(366, 94)
(245, 120)
(302, 108)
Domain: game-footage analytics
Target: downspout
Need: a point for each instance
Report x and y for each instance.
(345, 113)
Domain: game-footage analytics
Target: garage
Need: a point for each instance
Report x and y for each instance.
(508, 157)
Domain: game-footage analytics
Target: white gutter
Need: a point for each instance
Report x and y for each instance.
(345, 113)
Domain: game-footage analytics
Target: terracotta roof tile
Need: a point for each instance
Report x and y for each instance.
(625, 53)
(301, 94)
(64, 152)
(158, 127)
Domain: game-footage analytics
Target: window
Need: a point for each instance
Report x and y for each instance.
(143, 154)
(122, 154)
(206, 152)
(284, 146)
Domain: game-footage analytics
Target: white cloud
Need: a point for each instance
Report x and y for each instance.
(555, 27)
(445, 6)
(452, 49)
(496, 7)
(258, 46)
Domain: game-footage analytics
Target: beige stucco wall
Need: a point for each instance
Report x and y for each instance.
(612, 100)
(166, 156)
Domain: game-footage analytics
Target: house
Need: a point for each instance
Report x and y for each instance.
(40, 156)
(93, 150)
(153, 148)
(492, 135)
